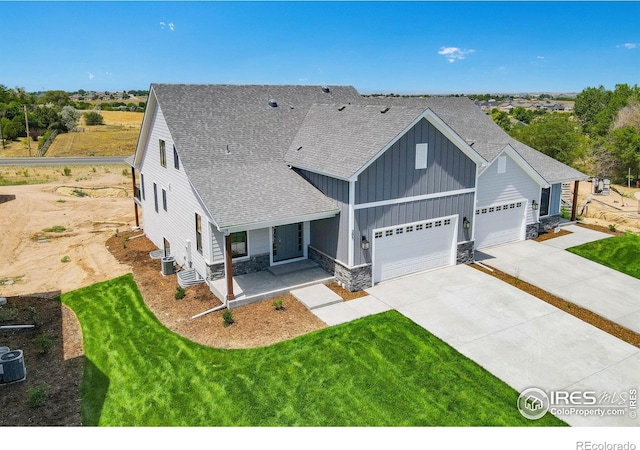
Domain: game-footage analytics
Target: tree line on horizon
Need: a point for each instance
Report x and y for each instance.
(600, 137)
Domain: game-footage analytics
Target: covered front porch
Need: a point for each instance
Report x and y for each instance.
(276, 280)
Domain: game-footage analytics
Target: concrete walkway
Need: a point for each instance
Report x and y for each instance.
(585, 283)
(332, 309)
(517, 337)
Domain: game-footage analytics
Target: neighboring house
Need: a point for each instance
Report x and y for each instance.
(235, 179)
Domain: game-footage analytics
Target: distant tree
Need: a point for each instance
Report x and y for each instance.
(56, 98)
(625, 148)
(12, 129)
(557, 135)
(93, 118)
(501, 118)
(69, 117)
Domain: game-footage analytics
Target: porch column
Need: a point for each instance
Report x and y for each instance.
(135, 204)
(228, 266)
(574, 202)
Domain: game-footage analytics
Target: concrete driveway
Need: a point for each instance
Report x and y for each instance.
(548, 265)
(517, 337)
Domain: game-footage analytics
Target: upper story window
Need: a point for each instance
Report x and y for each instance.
(142, 185)
(176, 160)
(164, 199)
(163, 154)
(198, 233)
(421, 155)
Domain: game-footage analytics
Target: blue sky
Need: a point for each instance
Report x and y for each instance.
(400, 47)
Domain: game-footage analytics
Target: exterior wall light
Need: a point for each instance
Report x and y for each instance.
(465, 223)
(534, 205)
(364, 244)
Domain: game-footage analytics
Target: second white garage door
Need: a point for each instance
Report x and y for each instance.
(413, 247)
(499, 224)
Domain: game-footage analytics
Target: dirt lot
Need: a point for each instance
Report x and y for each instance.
(32, 259)
(614, 209)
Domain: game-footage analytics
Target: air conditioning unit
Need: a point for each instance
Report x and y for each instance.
(12, 367)
(168, 265)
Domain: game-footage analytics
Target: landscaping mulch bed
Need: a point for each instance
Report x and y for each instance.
(256, 325)
(50, 395)
(345, 294)
(583, 314)
(551, 234)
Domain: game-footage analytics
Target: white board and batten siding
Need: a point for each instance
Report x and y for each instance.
(503, 206)
(413, 247)
(177, 223)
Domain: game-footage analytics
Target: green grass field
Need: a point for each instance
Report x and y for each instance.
(619, 252)
(382, 370)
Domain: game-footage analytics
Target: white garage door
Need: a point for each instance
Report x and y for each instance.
(499, 224)
(413, 247)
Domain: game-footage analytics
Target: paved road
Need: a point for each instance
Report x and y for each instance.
(73, 161)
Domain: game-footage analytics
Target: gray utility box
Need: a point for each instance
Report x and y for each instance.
(12, 367)
(168, 265)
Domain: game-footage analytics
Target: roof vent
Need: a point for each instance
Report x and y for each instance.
(273, 103)
(384, 110)
(342, 108)
(325, 89)
(227, 151)
(299, 148)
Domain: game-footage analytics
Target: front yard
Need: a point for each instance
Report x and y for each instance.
(383, 370)
(621, 253)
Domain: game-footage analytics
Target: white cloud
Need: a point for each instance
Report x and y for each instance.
(629, 45)
(454, 54)
(91, 76)
(539, 57)
(171, 25)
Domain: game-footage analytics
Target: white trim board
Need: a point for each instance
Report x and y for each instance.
(415, 198)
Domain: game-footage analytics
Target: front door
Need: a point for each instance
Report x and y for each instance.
(288, 242)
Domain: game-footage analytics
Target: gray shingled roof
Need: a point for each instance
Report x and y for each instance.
(339, 139)
(485, 136)
(250, 182)
(232, 142)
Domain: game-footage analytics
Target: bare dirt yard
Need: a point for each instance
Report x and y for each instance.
(619, 211)
(53, 234)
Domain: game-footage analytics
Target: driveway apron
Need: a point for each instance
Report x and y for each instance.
(517, 337)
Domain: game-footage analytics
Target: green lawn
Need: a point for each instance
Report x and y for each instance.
(621, 253)
(383, 370)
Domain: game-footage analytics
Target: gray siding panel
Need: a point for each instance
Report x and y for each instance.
(393, 174)
(330, 236)
(368, 219)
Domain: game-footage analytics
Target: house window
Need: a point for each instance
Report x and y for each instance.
(163, 154)
(198, 233)
(502, 164)
(164, 199)
(142, 185)
(155, 196)
(239, 244)
(421, 155)
(176, 160)
(544, 201)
